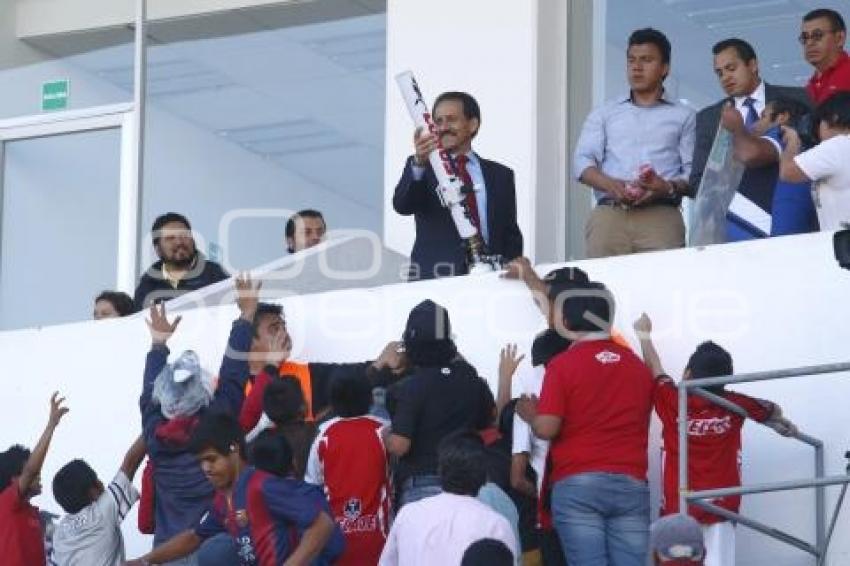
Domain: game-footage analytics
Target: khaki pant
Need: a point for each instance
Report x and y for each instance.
(614, 230)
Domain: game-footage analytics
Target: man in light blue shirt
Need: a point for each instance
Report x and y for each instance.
(635, 152)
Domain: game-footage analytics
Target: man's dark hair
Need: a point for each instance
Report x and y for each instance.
(835, 19)
(654, 37)
(283, 400)
(783, 105)
(470, 105)
(164, 219)
(710, 360)
(120, 301)
(306, 213)
(487, 552)
(12, 463)
(72, 486)
(461, 463)
(744, 50)
(264, 309)
(834, 111)
(587, 308)
(219, 431)
(351, 396)
(272, 453)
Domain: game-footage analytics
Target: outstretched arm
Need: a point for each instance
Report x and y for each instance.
(643, 327)
(508, 362)
(178, 546)
(312, 541)
(521, 268)
(133, 458)
(32, 467)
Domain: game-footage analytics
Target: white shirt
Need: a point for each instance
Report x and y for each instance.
(760, 98)
(437, 530)
(524, 440)
(92, 537)
(828, 166)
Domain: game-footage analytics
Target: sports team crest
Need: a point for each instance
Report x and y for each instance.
(353, 508)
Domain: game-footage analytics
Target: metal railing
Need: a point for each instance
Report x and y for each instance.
(698, 498)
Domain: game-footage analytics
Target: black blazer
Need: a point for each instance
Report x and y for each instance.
(438, 250)
(758, 182)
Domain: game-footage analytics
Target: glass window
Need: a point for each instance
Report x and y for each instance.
(245, 128)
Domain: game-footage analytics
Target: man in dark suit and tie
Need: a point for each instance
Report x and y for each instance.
(736, 66)
(438, 250)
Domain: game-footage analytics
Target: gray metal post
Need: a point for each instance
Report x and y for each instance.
(139, 113)
(767, 487)
(683, 447)
(767, 375)
(820, 499)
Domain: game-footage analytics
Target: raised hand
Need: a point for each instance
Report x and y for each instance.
(643, 326)
(517, 268)
(392, 357)
(161, 330)
(509, 361)
(247, 295)
(423, 144)
(57, 411)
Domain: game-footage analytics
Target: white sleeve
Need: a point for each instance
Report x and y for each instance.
(264, 423)
(119, 496)
(821, 161)
(315, 472)
(521, 437)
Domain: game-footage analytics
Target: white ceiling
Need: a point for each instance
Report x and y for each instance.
(309, 97)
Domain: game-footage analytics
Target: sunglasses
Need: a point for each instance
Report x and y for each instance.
(815, 36)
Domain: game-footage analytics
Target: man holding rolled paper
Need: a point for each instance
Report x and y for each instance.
(490, 196)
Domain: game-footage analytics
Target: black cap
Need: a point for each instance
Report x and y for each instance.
(428, 321)
(564, 278)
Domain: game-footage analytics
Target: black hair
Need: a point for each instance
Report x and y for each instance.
(710, 360)
(834, 18)
(794, 108)
(72, 486)
(461, 463)
(351, 396)
(219, 431)
(744, 50)
(290, 224)
(487, 552)
(264, 309)
(12, 463)
(835, 111)
(654, 37)
(164, 219)
(120, 301)
(588, 308)
(470, 105)
(430, 353)
(283, 400)
(272, 453)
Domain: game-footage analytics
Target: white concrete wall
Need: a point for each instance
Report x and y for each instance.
(773, 304)
(487, 48)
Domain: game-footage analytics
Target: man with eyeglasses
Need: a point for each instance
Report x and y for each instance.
(823, 36)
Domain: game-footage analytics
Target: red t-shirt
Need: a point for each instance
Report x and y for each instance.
(714, 446)
(348, 457)
(21, 539)
(835, 79)
(603, 393)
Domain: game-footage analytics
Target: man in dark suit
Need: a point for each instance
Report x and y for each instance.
(438, 250)
(736, 66)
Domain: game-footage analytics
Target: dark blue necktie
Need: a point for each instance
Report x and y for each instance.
(751, 116)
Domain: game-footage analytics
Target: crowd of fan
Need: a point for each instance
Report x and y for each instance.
(282, 462)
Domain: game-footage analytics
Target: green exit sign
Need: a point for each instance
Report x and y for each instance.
(54, 95)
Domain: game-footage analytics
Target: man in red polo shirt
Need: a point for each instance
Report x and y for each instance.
(21, 537)
(595, 408)
(823, 36)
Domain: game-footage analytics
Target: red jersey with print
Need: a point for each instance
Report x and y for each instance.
(835, 79)
(266, 517)
(21, 539)
(603, 394)
(714, 446)
(348, 457)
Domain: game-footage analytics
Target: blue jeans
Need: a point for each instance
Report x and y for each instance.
(419, 487)
(218, 551)
(602, 519)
